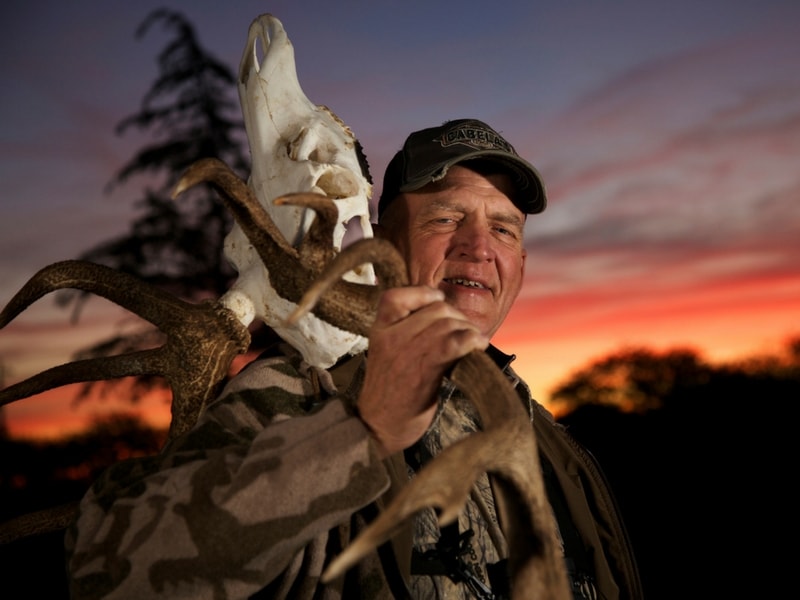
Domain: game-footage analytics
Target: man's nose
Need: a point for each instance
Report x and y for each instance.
(474, 241)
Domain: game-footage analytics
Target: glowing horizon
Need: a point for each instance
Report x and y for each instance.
(668, 138)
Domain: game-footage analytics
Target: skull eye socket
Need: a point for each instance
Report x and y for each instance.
(337, 183)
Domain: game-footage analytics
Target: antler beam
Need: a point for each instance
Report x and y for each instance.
(194, 332)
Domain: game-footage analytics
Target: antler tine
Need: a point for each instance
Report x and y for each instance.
(41, 521)
(92, 369)
(243, 205)
(505, 447)
(298, 268)
(316, 248)
(510, 452)
(91, 277)
(190, 329)
(389, 268)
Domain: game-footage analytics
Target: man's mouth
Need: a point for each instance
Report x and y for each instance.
(466, 282)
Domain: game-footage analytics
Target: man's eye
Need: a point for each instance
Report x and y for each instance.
(504, 231)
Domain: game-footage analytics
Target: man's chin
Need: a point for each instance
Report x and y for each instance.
(476, 316)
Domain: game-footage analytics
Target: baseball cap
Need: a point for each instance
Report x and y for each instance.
(428, 154)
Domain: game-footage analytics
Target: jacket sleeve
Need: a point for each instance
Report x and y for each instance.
(225, 509)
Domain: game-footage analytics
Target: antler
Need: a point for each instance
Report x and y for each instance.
(202, 339)
(194, 333)
(506, 447)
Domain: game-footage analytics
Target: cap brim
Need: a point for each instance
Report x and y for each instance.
(531, 197)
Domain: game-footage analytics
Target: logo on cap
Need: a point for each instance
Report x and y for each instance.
(476, 137)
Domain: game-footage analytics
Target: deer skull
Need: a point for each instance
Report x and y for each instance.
(296, 146)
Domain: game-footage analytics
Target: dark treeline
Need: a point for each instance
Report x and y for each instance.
(36, 476)
(697, 454)
(700, 464)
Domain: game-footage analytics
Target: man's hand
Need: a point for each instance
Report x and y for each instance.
(415, 338)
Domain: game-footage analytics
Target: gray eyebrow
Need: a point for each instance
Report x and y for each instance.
(455, 205)
(510, 219)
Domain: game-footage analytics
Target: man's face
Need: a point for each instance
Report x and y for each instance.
(464, 236)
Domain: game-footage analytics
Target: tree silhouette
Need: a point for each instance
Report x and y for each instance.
(641, 379)
(699, 458)
(41, 475)
(633, 379)
(192, 112)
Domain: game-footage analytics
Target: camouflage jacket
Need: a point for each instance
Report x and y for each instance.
(278, 476)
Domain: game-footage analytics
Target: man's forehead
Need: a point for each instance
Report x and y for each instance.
(432, 203)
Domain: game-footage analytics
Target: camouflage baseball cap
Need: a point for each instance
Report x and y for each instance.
(428, 154)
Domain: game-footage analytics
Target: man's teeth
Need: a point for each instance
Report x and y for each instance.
(466, 282)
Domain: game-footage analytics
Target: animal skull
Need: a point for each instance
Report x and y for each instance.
(296, 146)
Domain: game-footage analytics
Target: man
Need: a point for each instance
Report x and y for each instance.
(292, 462)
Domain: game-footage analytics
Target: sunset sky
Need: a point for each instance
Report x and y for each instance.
(668, 135)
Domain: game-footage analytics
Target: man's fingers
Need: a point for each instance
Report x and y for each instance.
(397, 303)
(450, 338)
(421, 317)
